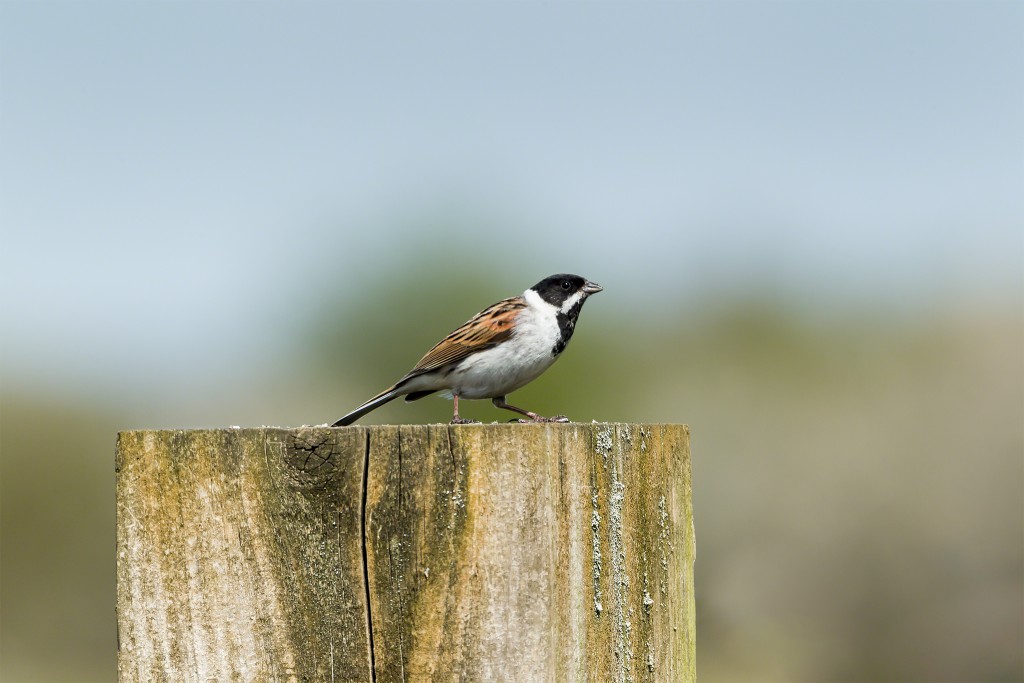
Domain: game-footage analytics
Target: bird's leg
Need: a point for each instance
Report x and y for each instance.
(499, 402)
(456, 420)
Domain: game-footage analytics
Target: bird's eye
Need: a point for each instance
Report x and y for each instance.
(566, 285)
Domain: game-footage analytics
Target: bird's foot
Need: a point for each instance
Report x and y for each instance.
(463, 421)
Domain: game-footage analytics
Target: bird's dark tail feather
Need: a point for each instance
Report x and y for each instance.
(377, 401)
(417, 395)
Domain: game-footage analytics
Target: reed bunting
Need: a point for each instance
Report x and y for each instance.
(499, 350)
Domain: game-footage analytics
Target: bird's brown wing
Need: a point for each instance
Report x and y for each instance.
(490, 326)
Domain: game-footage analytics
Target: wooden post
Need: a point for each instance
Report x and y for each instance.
(555, 552)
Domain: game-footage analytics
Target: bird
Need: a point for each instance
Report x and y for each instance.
(500, 349)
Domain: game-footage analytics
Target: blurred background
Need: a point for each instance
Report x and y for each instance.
(808, 219)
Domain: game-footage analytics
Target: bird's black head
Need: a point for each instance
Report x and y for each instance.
(558, 289)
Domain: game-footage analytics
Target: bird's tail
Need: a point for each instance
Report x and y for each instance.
(377, 401)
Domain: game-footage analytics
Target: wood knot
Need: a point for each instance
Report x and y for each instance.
(311, 458)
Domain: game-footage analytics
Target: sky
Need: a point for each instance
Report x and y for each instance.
(171, 172)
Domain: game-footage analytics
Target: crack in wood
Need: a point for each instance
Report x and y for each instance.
(366, 569)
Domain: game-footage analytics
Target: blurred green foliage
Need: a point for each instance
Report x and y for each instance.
(858, 478)
(57, 529)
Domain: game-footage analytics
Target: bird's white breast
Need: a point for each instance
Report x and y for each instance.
(517, 361)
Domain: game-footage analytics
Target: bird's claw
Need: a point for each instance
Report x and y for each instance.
(463, 421)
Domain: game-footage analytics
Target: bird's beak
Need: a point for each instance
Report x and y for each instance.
(592, 288)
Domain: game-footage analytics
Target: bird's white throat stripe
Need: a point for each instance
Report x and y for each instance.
(571, 301)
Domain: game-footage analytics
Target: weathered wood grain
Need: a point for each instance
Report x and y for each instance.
(560, 552)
